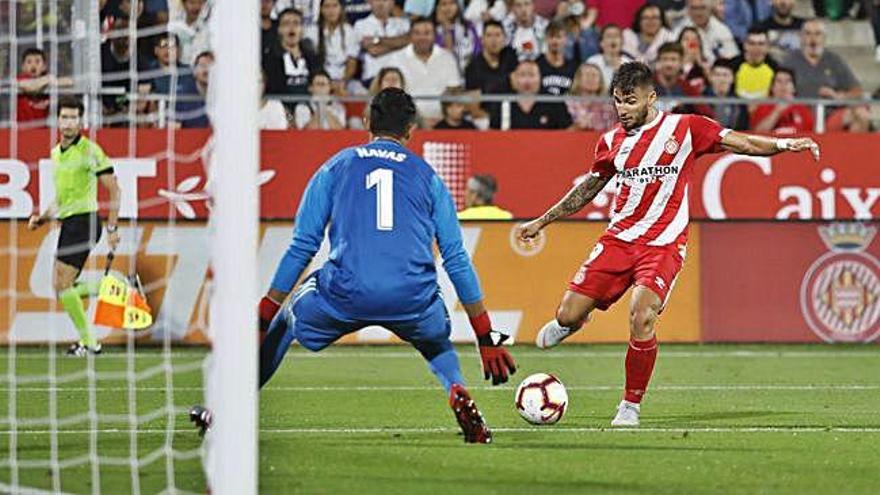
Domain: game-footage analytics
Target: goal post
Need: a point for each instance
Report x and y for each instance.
(232, 381)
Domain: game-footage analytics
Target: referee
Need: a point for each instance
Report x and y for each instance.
(79, 165)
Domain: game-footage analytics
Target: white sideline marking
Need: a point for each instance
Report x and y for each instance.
(415, 388)
(537, 429)
(407, 353)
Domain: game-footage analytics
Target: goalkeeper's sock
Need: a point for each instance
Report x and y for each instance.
(445, 367)
(273, 348)
(640, 357)
(72, 303)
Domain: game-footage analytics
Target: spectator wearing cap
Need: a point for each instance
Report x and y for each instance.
(782, 118)
(525, 30)
(821, 73)
(489, 72)
(525, 112)
(33, 82)
(649, 30)
(480, 200)
(718, 41)
(754, 70)
(428, 69)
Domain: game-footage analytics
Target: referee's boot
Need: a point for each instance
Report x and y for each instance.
(79, 349)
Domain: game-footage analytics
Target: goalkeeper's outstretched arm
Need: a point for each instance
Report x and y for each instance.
(308, 232)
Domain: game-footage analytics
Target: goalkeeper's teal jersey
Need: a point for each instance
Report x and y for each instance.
(385, 207)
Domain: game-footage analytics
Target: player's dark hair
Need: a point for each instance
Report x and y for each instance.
(630, 76)
(33, 51)
(71, 101)
(392, 113)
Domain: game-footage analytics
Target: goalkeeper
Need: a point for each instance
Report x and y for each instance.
(79, 164)
(384, 206)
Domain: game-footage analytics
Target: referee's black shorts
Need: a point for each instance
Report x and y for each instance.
(79, 234)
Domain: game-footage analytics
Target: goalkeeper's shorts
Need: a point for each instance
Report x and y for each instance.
(315, 324)
(79, 234)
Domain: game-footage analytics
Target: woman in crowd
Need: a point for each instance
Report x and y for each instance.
(336, 44)
(454, 33)
(590, 115)
(649, 30)
(695, 67)
(612, 56)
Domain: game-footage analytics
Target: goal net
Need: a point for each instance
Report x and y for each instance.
(186, 167)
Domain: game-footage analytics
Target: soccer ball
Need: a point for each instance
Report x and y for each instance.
(541, 399)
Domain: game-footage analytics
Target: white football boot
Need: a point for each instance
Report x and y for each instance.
(552, 334)
(627, 414)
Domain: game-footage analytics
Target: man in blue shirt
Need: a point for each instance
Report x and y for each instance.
(384, 206)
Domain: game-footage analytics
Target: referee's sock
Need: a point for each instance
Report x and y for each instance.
(72, 303)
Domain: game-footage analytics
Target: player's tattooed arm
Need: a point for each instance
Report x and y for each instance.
(753, 144)
(577, 197)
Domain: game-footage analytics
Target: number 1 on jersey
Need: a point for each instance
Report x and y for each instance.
(383, 179)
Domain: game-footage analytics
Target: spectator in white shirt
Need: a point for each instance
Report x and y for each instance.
(189, 21)
(612, 56)
(427, 68)
(380, 35)
(336, 44)
(323, 111)
(718, 40)
(525, 30)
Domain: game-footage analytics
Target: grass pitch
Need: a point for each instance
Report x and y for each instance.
(717, 419)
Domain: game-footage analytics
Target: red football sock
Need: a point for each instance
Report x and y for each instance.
(640, 357)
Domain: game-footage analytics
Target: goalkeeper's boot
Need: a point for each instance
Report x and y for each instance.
(202, 418)
(468, 416)
(627, 414)
(79, 349)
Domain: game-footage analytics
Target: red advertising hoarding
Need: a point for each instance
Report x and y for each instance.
(533, 169)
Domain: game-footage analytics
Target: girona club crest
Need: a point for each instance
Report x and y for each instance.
(840, 293)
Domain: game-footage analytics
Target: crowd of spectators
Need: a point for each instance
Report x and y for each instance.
(326, 49)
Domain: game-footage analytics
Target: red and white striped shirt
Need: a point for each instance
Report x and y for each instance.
(654, 166)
